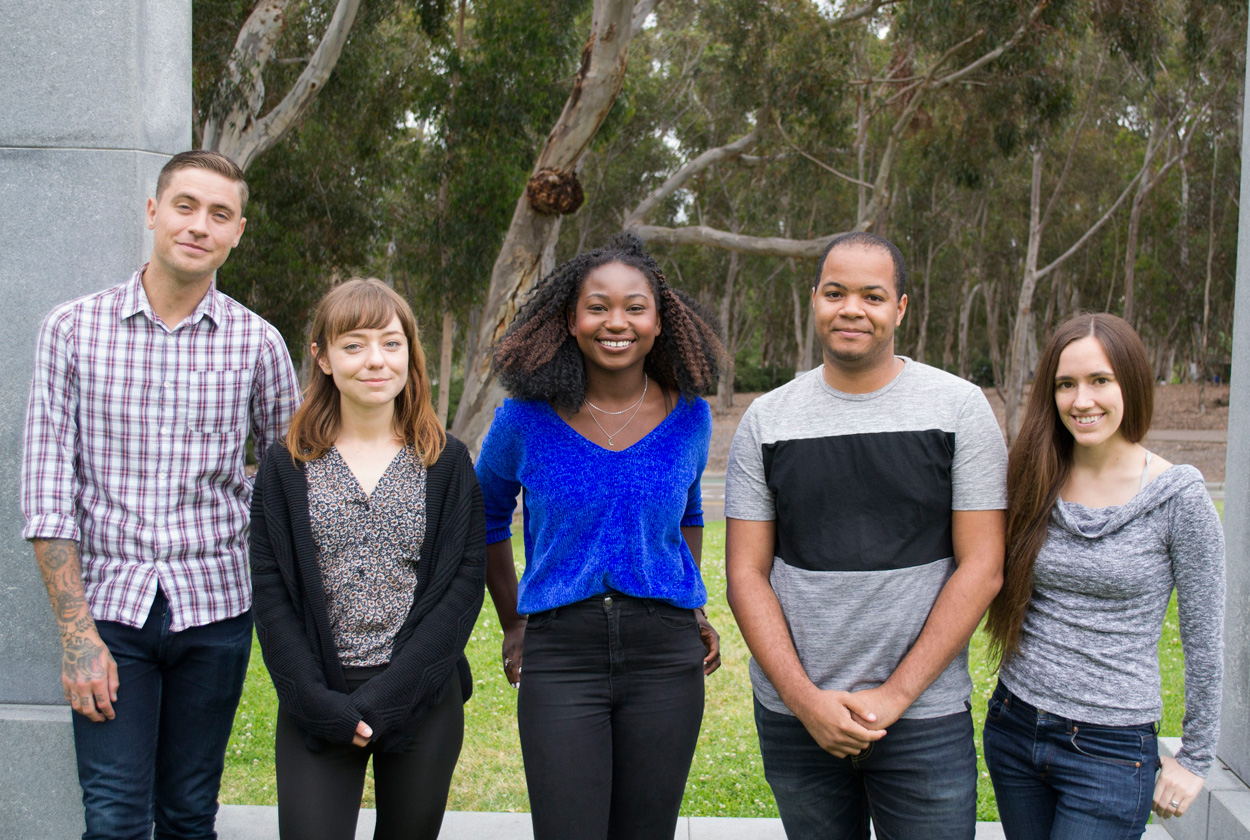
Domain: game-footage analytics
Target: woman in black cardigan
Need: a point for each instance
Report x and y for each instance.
(368, 565)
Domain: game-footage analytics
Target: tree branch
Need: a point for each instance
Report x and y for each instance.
(642, 10)
(765, 246)
(814, 160)
(238, 134)
(694, 167)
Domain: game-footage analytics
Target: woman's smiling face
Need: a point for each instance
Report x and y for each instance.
(616, 319)
(1087, 394)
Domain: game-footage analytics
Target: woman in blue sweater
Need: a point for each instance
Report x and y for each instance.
(607, 437)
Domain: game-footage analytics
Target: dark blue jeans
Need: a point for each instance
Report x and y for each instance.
(609, 710)
(919, 782)
(1060, 779)
(161, 758)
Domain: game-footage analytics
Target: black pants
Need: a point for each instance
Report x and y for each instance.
(610, 707)
(319, 792)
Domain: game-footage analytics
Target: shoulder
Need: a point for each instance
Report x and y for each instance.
(932, 380)
(800, 390)
(237, 316)
(65, 316)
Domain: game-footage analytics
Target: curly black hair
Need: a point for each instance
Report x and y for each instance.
(538, 359)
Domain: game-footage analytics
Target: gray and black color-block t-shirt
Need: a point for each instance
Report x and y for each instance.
(862, 487)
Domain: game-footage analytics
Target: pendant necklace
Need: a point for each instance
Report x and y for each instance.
(611, 437)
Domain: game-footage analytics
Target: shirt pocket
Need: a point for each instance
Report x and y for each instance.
(219, 401)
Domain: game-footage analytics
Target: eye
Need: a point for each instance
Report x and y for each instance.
(394, 344)
(1059, 386)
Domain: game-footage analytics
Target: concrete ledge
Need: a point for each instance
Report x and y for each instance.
(40, 776)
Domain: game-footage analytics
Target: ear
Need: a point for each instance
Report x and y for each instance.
(239, 234)
(902, 309)
(151, 212)
(572, 319)
(322, 362)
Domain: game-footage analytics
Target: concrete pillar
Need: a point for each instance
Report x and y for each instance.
(1234, 748)
(95, 96)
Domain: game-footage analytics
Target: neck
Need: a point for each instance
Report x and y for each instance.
(1108, 456)
(366, 426)
(173, 300)
(614, 389)
(852, 378)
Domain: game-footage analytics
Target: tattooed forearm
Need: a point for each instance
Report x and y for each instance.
(62, 574)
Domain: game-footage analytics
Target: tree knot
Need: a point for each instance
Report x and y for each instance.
(554, 191)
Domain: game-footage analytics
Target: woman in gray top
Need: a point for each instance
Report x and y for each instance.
(1099, 533)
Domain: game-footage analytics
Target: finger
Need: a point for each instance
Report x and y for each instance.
(711, 663)
(360, 742)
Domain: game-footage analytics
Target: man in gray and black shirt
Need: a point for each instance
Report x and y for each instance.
(865, 540)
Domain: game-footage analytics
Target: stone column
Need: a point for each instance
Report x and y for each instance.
(95, 96)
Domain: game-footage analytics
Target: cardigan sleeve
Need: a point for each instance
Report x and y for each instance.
(294, 667)
(447, 609)
(1196, 544)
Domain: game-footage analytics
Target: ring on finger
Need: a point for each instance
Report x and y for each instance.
(1175, 803)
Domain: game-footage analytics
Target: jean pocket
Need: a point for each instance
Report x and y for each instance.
(676, 618)
(539, 620)
(1123, 746)
(998, 705)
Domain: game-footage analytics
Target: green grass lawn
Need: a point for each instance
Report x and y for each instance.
(727, 778)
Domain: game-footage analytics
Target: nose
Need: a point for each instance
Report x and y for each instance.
(852, 306)
(374, 357)
(1084, 397)
(616, 319)
(198, 226)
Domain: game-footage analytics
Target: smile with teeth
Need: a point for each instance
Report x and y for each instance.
(616, 342)
(1087, 420)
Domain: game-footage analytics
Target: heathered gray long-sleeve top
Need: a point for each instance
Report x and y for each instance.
(1101, 586)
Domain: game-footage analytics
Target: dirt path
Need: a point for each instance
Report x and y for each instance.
(1181, 434)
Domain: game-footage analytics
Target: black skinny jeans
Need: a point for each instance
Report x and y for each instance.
(610, 706)
(319, 792)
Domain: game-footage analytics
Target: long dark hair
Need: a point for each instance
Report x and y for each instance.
(366, 303)
(538, 359)
(1041, 459)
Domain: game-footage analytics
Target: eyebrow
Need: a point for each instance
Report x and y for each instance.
(184, 196)
(629, 296)
(1064, 377)
(870, 288)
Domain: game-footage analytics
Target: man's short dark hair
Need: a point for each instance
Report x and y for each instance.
(199, 159)
(864, 239)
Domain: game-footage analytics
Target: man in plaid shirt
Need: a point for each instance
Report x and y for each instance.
(136, 500)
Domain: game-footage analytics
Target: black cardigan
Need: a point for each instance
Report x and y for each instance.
(293, 624)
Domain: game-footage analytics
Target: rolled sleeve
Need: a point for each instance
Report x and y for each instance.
(49, 483)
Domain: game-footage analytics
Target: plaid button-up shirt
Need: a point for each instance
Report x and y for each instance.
(135, 439)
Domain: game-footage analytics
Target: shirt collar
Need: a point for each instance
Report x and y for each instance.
(135, 300)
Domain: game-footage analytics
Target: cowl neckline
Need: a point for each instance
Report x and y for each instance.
(1094, 522)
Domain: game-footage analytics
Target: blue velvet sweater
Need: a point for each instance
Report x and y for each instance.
(597, 519)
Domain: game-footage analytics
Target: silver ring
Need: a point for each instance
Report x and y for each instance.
(1174, 803)
(507, 663)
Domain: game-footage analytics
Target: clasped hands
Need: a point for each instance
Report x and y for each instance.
(844, 723)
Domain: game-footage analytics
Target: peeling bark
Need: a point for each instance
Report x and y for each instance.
(234, 127)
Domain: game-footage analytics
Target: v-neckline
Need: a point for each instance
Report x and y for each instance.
(601, 448)
(368, 495)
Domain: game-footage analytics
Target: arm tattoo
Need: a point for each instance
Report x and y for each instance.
(62, 574)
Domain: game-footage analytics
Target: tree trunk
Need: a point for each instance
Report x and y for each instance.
(233, 128)
(725, 388)
(444, 366)
(1024, 303)
(531, 235)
